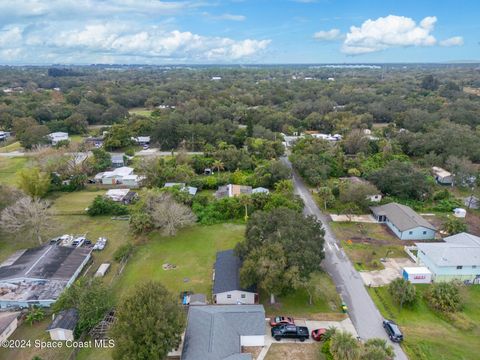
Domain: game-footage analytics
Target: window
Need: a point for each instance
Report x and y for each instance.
(243, 296)
(474, 266)
(459, 267)
(229, 296)
(410, 232)
(424, 233)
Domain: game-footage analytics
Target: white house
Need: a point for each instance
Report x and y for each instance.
(8, 324)
(142, 140)
(458, 258)
(116, 176)
(56, 137)
(125, 196)
(132, 180)
(404, 222)
(221, 332)
(63, 325)
(226, 281)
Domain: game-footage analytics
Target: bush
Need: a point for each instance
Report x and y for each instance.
(326, 350)
(123, 252)
(444, 297)
(105, 206)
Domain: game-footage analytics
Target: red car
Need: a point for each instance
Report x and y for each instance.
(281, 320)
(317, 334)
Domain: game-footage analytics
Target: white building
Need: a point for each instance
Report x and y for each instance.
(56, 137)
(63, 325)
(8, 324)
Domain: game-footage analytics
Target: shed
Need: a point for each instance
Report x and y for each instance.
(102, 270)
(63, 325)
(8, 324)
(417, 275)
(197, 299)
(459, 212)
(442, 176)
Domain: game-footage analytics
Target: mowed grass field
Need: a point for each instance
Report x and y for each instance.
(9, 168)
(430, 336)
(365, 244)
(192, 251)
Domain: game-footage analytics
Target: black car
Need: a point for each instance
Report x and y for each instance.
(393, 331)
(290, 332)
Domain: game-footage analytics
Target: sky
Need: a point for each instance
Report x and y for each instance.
(238, 31)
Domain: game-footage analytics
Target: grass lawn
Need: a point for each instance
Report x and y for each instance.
(325, 300)
(365, 244)
(192, 250)
(74, 202)
(15, 146)
(295, 351)
(429, 336)
(9, 168)
(140, 111)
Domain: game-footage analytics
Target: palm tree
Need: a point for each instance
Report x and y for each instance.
(218, 164)
(35, 314)
(344, 346)
(245, 200)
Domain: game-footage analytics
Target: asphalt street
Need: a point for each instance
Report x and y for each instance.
(361, 308)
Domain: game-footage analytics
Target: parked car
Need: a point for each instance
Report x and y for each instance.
(318, 334)
(393, 331)
(280, 320)
(288, 331)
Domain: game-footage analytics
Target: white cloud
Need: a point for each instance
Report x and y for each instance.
(328, 35)
(10, 37)
(453, 41)
(232, 17)
(387, 32)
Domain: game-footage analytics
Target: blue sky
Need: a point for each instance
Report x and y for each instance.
(238, 31)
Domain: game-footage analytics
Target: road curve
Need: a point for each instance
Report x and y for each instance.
(362, 310)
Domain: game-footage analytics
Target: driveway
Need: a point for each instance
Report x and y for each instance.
(393, 270)
(354, 218)
(362, 310)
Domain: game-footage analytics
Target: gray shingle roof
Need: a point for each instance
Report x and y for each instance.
(447, 254)
(65, 319)
(227, 272)
(214, 331)
(403, 217)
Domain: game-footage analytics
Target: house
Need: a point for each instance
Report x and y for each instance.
(216, 78)
(8, 324)
(118, 160)
(125, 196)
(39, 275)
(63, 325)
(116, 176)
(442, 176)
(220, 332)
(4, 135)
(142, 140)
(226, 281)
(458, 258)
(182, 186)
(56, 137)
(404, 222)
(232, 190)
(132, 180)
(260, 190)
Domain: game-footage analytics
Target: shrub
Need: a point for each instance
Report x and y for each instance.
(444, 297)
(105, 206)
(123, 252)
(403, 292)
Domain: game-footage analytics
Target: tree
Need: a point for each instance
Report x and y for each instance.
(101, 160)
(105, 206)
(403, 292)
(267, 268)
(454, 226)
(33, 182)
(149, 324)
(401, 179)
(218, 165)
(118, 136)
(298, 238)
(344, 346)
(27, 216)
(35, 314)
(8, 196)
(161, 211)
(429, 82)
(358, 193)
(356, 142)
(326, 196)
(444, 297)
(92, 300)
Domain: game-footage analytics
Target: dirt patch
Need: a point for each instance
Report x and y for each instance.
(254, 350)
(473, 222)
(294, 351)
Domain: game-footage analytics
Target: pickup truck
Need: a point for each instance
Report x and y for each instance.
(290, 332)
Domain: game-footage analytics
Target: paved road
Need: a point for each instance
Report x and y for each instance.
(365, 315)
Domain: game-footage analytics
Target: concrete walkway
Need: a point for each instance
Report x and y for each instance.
(353, 218)
(393, 270)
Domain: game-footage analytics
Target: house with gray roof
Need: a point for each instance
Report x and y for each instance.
(226, 281)
(39, 275)
(219, 332)
(457, 258)
(405, 223)
(63, 325)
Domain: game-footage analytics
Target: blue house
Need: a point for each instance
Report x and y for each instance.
(458, 258)
(405, 223)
